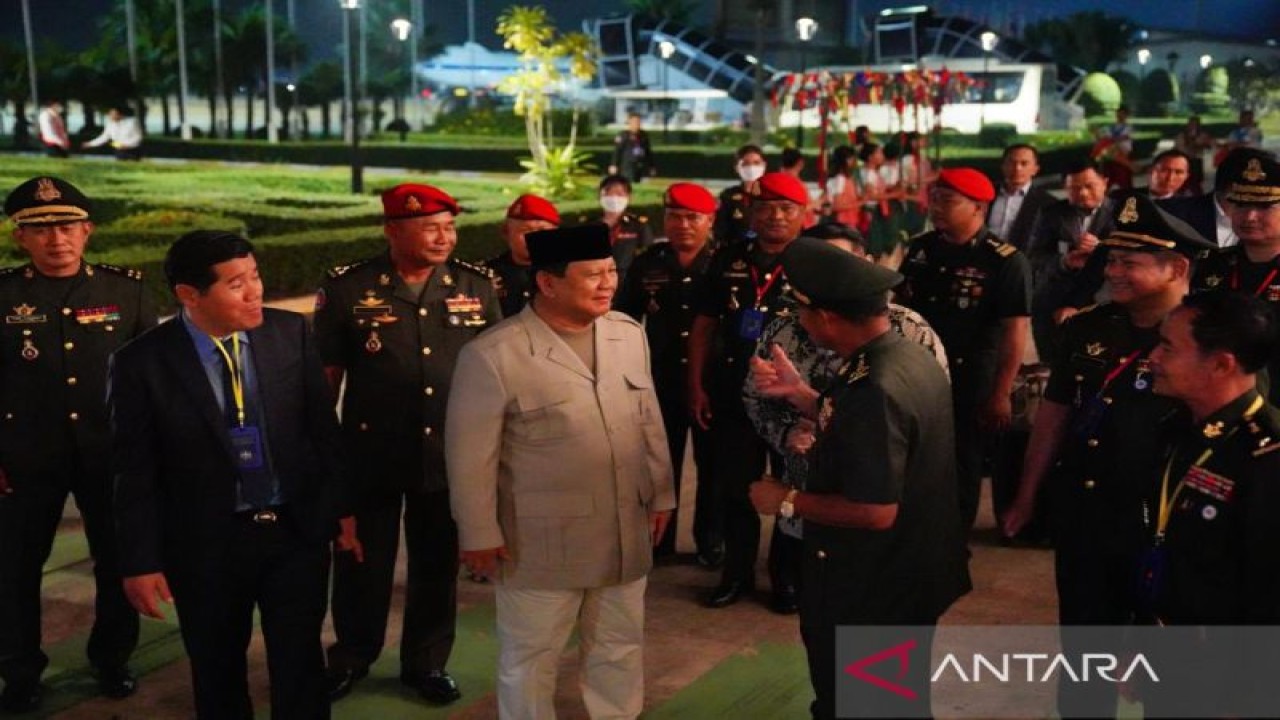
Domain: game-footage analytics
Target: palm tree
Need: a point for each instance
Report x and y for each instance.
(245, 53)
(321, 85)
(1090, 40)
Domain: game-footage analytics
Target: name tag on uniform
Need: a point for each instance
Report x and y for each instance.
(751, 324)
(246, 448)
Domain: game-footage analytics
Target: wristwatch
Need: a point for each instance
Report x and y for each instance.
(788, 507)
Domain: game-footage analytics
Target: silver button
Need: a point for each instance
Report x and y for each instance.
(429, 391)
(426, 351)
(66, 311)
(822, 554)
(71, 381)
(74, 416)
(426, 431)
(422, 312)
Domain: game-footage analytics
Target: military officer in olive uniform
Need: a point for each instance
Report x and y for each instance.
(882, 537)
(629, 232)
(975, 290)
(1213, 553)
(1092, 437)
(746, 289)
(63, 319)
(392, 326)
(733, 225)
(1252, 266)
(663, 289)
(513, 279)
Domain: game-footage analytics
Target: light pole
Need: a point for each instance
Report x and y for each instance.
(31, 57)
(1205, 61)
(989, 42)
(273, 135)
(666, 49)
(402, 30)
(351, 7)
(180, 16)
(1144, 56)
(806, 28)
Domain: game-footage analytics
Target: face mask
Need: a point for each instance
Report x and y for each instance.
(750, 173)
(613, 203)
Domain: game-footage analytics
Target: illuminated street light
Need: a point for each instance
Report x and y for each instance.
(989, 42)
(1205, 61)
(806, 28)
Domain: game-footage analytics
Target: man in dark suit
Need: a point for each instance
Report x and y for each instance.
(1209, 213)
(1064, 238)
(1013, 213)
(228, 484)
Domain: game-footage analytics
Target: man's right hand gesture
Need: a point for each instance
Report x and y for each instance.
(145, 593)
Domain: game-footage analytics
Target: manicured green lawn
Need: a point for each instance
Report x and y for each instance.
(303, 220)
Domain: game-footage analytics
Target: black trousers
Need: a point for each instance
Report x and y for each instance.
(362, 591)
(740, 459)
(969, 389)
(28, 522)
(1096, 572)
(270, 567)
(707, 532)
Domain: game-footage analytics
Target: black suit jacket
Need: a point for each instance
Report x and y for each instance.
(1197, 211)
(175, 479)
(1020, 232)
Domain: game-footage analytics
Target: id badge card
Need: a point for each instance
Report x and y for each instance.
(751, 324)
(246, 447)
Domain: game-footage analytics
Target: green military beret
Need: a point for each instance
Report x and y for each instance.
(824, 276)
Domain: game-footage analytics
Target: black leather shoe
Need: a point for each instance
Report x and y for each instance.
(785, 600)
(341, 679)
(21, 696)
(437, 688)
(117, 682)
(727, 593)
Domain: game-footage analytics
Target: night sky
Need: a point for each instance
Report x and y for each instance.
(319, 19)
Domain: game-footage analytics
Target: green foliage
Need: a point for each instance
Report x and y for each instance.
(997, 135)
(495, 122)
(1160, 94)
(679, 11)
(1211, 91)
(558, 177)
(1099, 94)
(1091, 40)
(1255, 84)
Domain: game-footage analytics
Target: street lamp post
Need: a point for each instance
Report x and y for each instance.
(1205, 61)
(180, 16)
(402, 30)
(666, 49)
(273, 135)
(1144, 56)
(31, 57)
(989, 42)
(806, 28)
(351, 7)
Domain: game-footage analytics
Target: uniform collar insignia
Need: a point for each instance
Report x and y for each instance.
(1095, 349)
(1213, 430)
(447, 280)
(1213, 281)
(384, 279)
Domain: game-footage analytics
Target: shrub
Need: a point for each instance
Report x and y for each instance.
(1099, 94)
(1160, 94)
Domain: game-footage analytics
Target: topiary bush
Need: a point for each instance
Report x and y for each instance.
(1099, 94)
(1160, 93)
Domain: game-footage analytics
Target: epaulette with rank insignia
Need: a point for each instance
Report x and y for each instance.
(339, 270)
(9, 270)
(130, 273)
(1001, 248)
(1262, 435)
(477, 268)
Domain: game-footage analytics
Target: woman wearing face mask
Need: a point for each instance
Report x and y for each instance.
(732, 223)
(629, 232)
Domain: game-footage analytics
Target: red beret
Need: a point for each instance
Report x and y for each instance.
(690, 196)
(781, 186)
(532, 207)
(968, 182)
(410, 201)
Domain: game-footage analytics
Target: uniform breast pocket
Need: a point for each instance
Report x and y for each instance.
(640, 397)
(546, 414)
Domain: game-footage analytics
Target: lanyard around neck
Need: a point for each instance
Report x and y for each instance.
(236, 365)
(1168, 499)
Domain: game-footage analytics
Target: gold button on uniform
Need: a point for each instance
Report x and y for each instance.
(1093, 442)
(74, 416)
(71, 381)
(426, 351)
(422, 312)
(426, 431)
(822, 554)
(364, 426)
(69, 345)
(1089, 484)
(429, 391)
(66, 311)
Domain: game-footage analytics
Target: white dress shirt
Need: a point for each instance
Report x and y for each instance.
(1005, 210)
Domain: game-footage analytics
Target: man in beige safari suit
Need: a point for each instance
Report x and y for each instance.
(560, 479)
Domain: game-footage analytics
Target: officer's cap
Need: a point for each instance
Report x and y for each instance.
(532, 207)
(968, 182)
(565, 245)
(411, 200)
(780, 186)
(46, 200)
(824, 276)
(1140, 224)
(689, 196)
(1252, 179)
